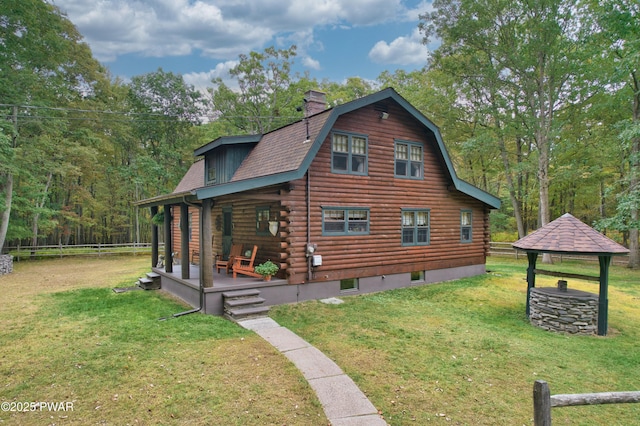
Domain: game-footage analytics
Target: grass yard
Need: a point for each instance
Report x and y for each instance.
(463, 353)
(457, 353)
(66, 337)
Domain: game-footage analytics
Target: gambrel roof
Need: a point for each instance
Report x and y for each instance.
(285, 154)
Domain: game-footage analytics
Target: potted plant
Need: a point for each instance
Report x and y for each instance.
(267, 269)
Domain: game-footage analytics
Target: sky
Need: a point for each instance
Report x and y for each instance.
(201, 39)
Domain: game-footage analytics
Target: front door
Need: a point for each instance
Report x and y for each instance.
(227, 228)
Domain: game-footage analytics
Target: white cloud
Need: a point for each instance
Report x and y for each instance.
(311, 63)
(401, 51)
(202, 80)
(219, 29)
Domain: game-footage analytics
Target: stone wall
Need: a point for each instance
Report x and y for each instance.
(570, 311)
(6, 264)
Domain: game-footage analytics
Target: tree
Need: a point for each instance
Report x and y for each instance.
(165, 109)
(518, 64)
(42, 63)
(616, 40)
(263, 100)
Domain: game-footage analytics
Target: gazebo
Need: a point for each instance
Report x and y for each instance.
(568, 235)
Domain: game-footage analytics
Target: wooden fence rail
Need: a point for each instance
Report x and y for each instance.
(39, 252)
(497, 248)
(543, 401)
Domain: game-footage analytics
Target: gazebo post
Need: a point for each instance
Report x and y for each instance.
(531, 276)
(603, 301)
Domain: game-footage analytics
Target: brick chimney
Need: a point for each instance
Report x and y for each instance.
(314, 102)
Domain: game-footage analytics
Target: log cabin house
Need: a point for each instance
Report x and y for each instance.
(357, 198)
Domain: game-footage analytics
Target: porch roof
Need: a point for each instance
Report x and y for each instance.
(185, 191)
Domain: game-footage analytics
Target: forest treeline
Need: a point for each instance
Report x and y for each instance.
(538, 103)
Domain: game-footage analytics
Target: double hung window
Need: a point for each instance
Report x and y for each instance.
(465, 226)
(262, 220)
(415, 227)
(409, 160)
(349, 154)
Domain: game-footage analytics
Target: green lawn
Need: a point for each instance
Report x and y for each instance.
(463, 352)
(76, 341)
(459, 353)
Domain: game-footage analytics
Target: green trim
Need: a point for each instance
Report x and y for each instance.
(260, 210)
(227, 140)
(349, 153)
(345, 227)
(415, 228)
(470, 226)
(408, 161)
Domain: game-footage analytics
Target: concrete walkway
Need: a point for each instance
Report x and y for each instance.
(343, 402)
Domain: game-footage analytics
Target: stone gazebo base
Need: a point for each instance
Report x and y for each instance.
(6, 264)
(565, 311)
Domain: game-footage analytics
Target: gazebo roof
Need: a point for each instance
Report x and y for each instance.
(567, 234)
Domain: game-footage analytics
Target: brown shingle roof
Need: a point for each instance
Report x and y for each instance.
(282, 150)
(193, 179)
(567, 234)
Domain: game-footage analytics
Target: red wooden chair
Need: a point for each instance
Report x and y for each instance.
(244, 265)
(236, 250)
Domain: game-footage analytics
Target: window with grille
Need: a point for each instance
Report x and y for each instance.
(415, 227)
(345, 221)
(466, 231)
(349, 154)
(409, 160)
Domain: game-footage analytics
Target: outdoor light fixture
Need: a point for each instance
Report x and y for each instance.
(384, 115)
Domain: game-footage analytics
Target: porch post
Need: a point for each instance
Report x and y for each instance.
(154, 238)
(168, 240)
(184, 241)
(206, 240)
(531, 276)
(603, 301)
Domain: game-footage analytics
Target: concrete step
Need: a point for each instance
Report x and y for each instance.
(243, 301)
(236, 314)
(240, 293)
(153, 275)
(148, 284)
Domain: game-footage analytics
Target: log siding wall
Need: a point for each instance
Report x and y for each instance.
(381, 252)
(194, 244)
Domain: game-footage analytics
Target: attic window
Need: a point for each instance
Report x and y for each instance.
(349, 154)
(409, 160)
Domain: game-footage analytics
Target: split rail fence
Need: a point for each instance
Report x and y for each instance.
(40, 252)
(506, 250)
(543, 401)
